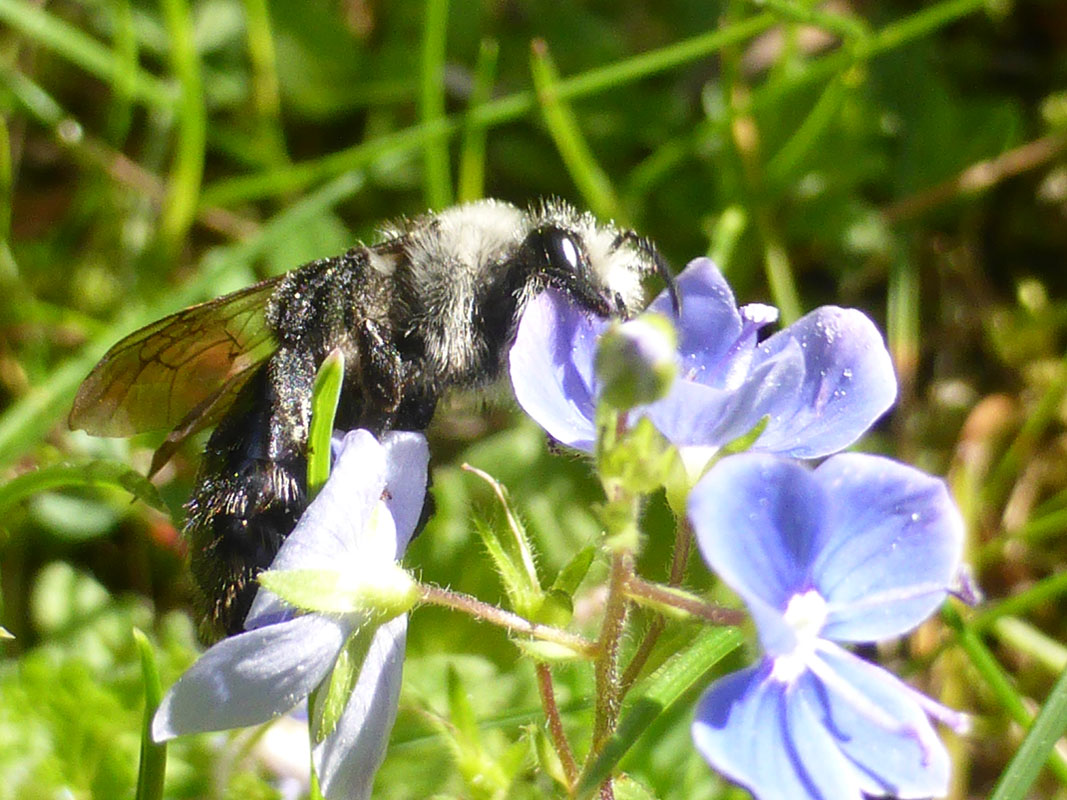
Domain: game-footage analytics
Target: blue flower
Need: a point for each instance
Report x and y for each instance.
(820, 383)
(357, 528)
(858, 550)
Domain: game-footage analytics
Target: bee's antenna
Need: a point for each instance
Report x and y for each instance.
(645, 245)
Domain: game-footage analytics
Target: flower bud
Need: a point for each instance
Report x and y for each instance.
(636, 361)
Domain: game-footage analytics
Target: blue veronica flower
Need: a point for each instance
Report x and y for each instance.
(284, 655)
(858, 550)
(820, 383)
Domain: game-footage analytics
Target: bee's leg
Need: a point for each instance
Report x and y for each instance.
(384, 377)
(249, 495)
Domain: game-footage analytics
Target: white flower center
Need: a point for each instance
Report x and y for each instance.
(806, 615)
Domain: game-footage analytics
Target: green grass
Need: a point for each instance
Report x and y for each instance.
(908, 161)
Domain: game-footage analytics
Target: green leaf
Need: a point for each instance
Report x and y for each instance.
(998, 682)
(549, 652)
(384, 592)
(460, 712)
(89, 474)
(556, 609)
(1049, 726)
(324, 398)
(512, 555)
(153, 756)
(329, 703)
(571, 576)
(684, 672)
(547, 758)
(588, 176)
(640, 460)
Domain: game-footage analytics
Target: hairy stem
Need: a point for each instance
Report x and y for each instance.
(437, 596)
(683, 541)
(555, 726)
(606, 711)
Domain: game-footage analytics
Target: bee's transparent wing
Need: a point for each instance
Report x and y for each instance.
(181, 372)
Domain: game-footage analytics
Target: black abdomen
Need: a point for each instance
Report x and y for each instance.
(243, 507)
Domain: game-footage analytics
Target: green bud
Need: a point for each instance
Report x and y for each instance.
(636, 361)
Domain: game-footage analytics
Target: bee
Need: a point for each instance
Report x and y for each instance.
(432, 306)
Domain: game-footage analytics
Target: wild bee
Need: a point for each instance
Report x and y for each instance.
(432, 306)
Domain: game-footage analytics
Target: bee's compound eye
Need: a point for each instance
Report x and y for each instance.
(560, 249)
(567, 252)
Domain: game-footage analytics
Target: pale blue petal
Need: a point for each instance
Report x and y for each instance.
(348, 758)
(750, 729)
(898, 754)
(849, 383)
(709, 323)
(691, 413)
(759, 524)
(407, 456)
(896, 540)
(768, 386)
(250, 678)
(551, 366)
(332, 533)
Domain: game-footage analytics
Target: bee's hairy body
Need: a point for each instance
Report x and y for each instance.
(433, 306)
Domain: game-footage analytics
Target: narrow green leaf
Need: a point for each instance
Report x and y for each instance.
(903, 326)
(150, 772)
(547, 759)
(438, 178)
(123, 86)
(574, 572)
(786, 166)
(6, 185)
(460, 712)
(472, 144)
(72, 44)
(684, 672)
(514, 580)
(1025, 638)
(324, 398)
(330, 700)
(265, 86)
(994, 676)
(525, 591)
(90, 474)
(590, 179)
(232, 191)
(183, 186)
(1048, 727)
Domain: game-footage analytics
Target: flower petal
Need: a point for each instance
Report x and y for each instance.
(849, 383)
(905, 759)
(895, 544)
(551, 366)
(751, 729)
(333, 532)
(708, 324)
(407, 456)
(348, 758)
(250, 678)
(759, 523)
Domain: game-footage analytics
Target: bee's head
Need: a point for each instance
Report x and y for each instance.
(600, 267)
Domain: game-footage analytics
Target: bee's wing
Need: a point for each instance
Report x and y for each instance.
(170, 372)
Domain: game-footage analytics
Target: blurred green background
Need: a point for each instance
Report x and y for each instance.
(903, 157)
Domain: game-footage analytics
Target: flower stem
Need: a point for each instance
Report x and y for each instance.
(437, 596)
(606, 711)
(683, 541)
(555, 725)
(669, 596)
